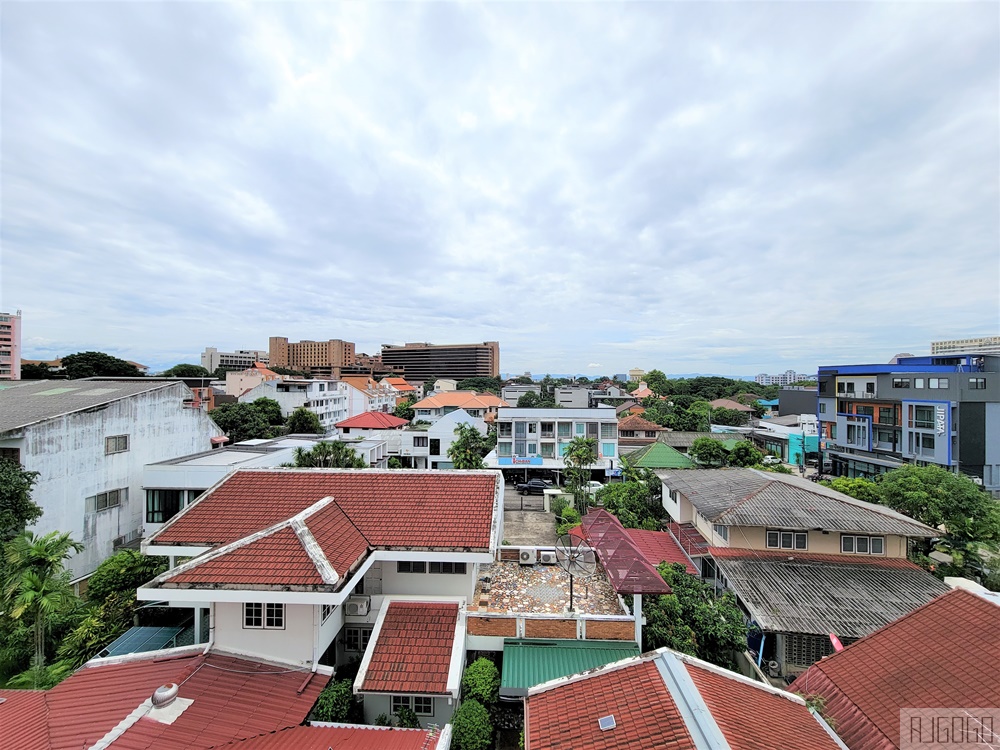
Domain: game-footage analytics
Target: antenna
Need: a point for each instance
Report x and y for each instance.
(577, 558)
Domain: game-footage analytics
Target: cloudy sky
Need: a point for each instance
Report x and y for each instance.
(698, 187)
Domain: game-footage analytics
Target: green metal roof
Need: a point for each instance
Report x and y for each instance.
(659, 456)
(530, 662)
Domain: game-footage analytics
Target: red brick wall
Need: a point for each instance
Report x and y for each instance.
(495, 626)
(509, 555)
(550, 628)
(610, 630)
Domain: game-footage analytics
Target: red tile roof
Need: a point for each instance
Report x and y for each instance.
(660, 546)
(941, 655)
(342, 738)
(412, 653)
(373, 420)
(640, 424)
(645, 714)
(755, 719)
(390, 508)
(232, 699)
(728, 403)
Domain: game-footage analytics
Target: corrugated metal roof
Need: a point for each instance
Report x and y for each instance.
(39, 401)
(527, 663)
(342, 738)
(626, 566)
(747, 497)
(23, 720)
(822, 594)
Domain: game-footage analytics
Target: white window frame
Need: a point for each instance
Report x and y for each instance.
(327, 610)
(397, 702)
(793, 542)
(116, 444)
(106, 500)
(721, 531)
(270, 615)
(869, 542)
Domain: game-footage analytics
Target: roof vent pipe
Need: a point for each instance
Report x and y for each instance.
(164, 695)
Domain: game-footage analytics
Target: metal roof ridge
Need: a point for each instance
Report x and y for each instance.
(701, 725)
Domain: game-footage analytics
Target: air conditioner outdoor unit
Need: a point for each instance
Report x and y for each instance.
(977, 480)
(527, 556)
(547, 557)
(357, 606)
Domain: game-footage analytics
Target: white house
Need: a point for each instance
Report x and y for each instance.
(366, 395)
(481, 405)
(89, 441)
(426, 446)
(314, 567)
(327, 399)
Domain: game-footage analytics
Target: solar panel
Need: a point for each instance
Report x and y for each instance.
(606, 722)
(139, 639)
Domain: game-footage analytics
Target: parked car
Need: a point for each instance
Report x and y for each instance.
(770, 460)
(592, 487)
(534, 487)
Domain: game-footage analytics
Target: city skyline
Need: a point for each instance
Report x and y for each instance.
(734, 189)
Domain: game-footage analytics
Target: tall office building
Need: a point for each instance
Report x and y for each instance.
(10, 346)
(977, 345)
(316, 357)
(422, 362)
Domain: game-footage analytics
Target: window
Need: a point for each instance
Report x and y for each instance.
(456, 568)
(520, 429)
(608, 431)
(608, 450)
(105, 500)
(787, 539)
(581, 428)
(268, 616)
(862, 545)
(356, 639)
(162, 505)
(519, 448)
(721, 531)
(937, 382)
(420, 441)
(870, 388)
(11, 454)
(887, 415)
(327, 611)
(868, 411)
(900, 382)
(503, 449)
(532, 449)
(411, 566)
(548, 450)
(435, 446)
(565, 429)
(532, 428)
(421, 705)
(115, 444)
(977, 384)
(548, 429)
(822, 408)
(922, 416)
(918, 382)
(841, 387)
(504, 429)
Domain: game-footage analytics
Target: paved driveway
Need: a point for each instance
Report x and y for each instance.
(530, 528)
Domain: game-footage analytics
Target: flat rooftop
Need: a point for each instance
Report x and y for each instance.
(544, 589)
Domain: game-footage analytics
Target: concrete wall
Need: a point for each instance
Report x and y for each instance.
(292, 644)
(376, 704)
(68, 453)
(435, 584)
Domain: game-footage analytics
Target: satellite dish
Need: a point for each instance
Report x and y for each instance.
(577, 558)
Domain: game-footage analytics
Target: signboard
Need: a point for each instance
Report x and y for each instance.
(520, 461)
(612, 472)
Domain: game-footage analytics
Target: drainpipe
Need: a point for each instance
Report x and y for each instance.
(211, 629)
(637, 613)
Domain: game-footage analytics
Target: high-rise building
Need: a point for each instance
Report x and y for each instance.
(316, 357)
(10, 346)
(212, 359)
(977, 345)
(422, 362)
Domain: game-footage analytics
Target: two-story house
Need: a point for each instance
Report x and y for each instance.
(327, 399)
(317, 567)
(425, 446)
(481, 405)
(803, 561)
(364, 393)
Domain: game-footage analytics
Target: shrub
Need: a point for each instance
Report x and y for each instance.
(558, 505)
(123, 572)
(383, 720)
(407, 718)
(334, 703)
(481, 682)
(471, 727)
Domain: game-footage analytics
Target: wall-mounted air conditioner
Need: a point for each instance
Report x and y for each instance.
(527, 556)
(357, 606)
(547, 557)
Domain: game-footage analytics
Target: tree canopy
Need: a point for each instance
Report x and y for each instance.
(187, 371)
(123, 573)
(708, 451)
(729, 417)
(242, 421)
(302, 421)
(270, 409)
(17, 509)
(404, 409)
(744, 454)
(636, 504)
(93, 364)
(468, 449)
(580, 456)
(36, 372)
(479, 385)
(329, 455)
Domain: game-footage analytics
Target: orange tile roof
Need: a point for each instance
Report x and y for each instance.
(660, 546)
(941, 655)
(433, 508)
(399, 384)
(233, 699)
(635, 422)
(645, 714)
(725, 403)
(461, 400)
(373, 420)
(642, 393)
(412, 653)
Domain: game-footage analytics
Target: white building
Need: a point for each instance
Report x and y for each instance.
(10, 346)
(786, 378)
(975, 345)
(538, 438)
(212, 359)
(426, 446)
(327, 399)
(367, 396)
(369, 560)
(89, 441)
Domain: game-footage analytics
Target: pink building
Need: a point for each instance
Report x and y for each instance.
(10, 346)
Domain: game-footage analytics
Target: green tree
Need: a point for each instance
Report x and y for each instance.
(36, 586)
(16, 507)
(693, 620)
(404, 409)
(241, 421)
(481, 682)
(635, 504)
(708, 452)
(101, 625)
(91, 364)
(394, 463)
(123, 573)
(220, 373)
(523, 380)
(187, 371)
(302, 421)
(657, 382)
(407, 718)
(336, 702)
(329, 455)
(580, 456)
(743, 454)
(857, 487)
(480, 385)
(471, 726)
(528, 400)
(269, 409)
(468, 449)
(729, 417)
(36, 372)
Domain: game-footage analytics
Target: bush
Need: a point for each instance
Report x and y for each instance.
(383, 720)
(481, 682)
(334, 703)
(407, 718)
(471, 727)
(558, 505)
(123, 573)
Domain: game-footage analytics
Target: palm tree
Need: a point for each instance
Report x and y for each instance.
(329, 455)
(36, 586)
(580, 455)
